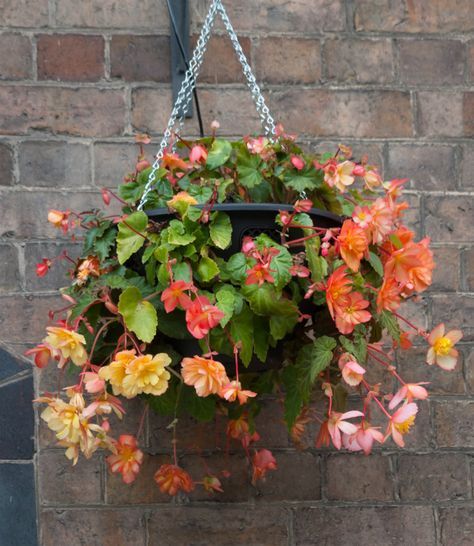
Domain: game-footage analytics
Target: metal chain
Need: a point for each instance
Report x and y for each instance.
(184, 97)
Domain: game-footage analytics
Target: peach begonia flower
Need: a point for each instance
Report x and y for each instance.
(352, 371)
(198, 154)
(175, 295)
(114, 373)
(303, 205)
(352, 243)
(127, 459)
(238, 427)
(338, 288)
(171, 479)
(93, 383)
(68, 343)
(105, 404)
(205, 375)
(146, 374)
(89, 267)
(363, 439)
(337, 424)
(372, 178)
(409, 392)
(352, 312)
(181, 201)
(202, 316)
(42, 355)
(262, 461)
(339, 175)
(401, 422)
(382, 222)
(59, 219)
(442, 350)
(172, 161)
(233, 391)
(362, 216)
(388, 295)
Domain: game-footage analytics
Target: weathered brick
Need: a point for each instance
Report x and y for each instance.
(453, 423)
(16, 59)
(469, 269)
(271, 426)
(468, 113)
(93, 527)
(221, 64)
(446, 218)
(23, 318)
(13, 13)
(83, 111)
(292, 60)
(143, 490)
(82, 485)
(132, 14)
(457, 525)
(344, 113)
(70, 57)
(373, 151)
(24, 214)
(348, 525)
(446, 273)
(6, 165)
(140, 58)
(467, 167)
(54, 164)
(428, 167)
(112, 162)
(58, 276)
(468, 357)
(432, 62)
(456, 311)
(406, 16)
(198, 526)
(358, 61)
(9, 268)
(440, 113)
(470, 60)
(434, 476)
(413, 368)
(280, 16)
(412, 216)
(416, 311)
(297, 478)
(369, 477)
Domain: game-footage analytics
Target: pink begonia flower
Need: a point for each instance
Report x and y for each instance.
(410, 392)
(337, 423)
(441, 351)
(352, 371)
(93, 383)
(198, 154)
(400, 423)
(303, 205)
(297, 162)
(363, 439)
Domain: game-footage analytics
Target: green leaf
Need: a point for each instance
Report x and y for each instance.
(218, 154)
(294, 397)
(177, 234)
(236, 267)
(375, 262)
(390, 323)
(220, 230)
(130, 239)
(357, 348)
(248, 169)
(280, 326)
(207, 269)
(139, 315)
(315, 357)
(316, 263)
(306, 179)
(265, 301)
(241, 328)
(202, 194)
(261, 338)
(225, 301)
(201, 408)
(165, 403)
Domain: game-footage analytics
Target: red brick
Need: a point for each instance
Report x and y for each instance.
(470, 60)
(70, 57)
(140, 58)
(358, 61)
(112, 162)
(83, 483)
(456, 311)
(413, 369)
(344, 113)
(82, 111)
(428, 167)
(468, 356)
(447, 271)
(281, 16)
(14, 13)
(434, 476)
(373, 151)
(468, 113)
(151, 14)
(407, 16)
(6, 165)
(412, 215)
(221, 64)
(370, 478)
(457, 525)
(440, 113)
(203, 526)
(54, 164)
(288, 60)
(467, 167)
(432, 62)
(447, 218)
(453, 423)
(16, 59)
(77, 527)
(349, 525)
(271, 426)
(9, 268)
(469, 269)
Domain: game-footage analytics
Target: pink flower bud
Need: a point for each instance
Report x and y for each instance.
(106, 196)
(297, 162)
(358, 170)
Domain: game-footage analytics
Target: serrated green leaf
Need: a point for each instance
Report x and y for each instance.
(316, 357)
(207, 269)
(375, 262)
(218, 154)
(249, 169)
(139, 315)
(236, 267)
(280, 326)
(131, 235)
(225, 301)
(306, 179)
(261, 339)
(241, 328)
(357, 348)
(294, 397)
(389, 322)
(177, 234)
(220, 230)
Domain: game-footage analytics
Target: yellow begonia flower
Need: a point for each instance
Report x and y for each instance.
(70, 344)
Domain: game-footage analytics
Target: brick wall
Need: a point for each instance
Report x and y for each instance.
(390, 77)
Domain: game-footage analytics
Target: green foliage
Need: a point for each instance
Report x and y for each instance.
(139, 315)
(218, 154)
(220, 230)
(131, 235)
(249, 169)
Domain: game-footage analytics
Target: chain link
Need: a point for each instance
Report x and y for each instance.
(183, 100)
